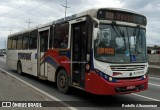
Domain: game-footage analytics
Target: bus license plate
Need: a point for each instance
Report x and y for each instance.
(130, 87)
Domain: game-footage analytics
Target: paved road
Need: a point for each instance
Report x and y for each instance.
(93, 101)
(14, 90)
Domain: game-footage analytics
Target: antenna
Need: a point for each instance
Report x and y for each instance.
(65, 6)
(29, 22)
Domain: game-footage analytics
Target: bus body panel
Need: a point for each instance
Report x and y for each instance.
(97, 85)
(11, 59)
(29, 64)
(51, 72)
(26, 57)
(58, 58)
(91, 80)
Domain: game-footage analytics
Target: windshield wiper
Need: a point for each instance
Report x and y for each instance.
(119, 33)
(117, 27)
(136, 35)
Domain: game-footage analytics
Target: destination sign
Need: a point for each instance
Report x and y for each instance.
(121, 16)
(106, 50)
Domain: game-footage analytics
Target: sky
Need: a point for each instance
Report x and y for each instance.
(14, 14)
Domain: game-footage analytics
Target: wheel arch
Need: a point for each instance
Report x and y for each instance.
(57, 70)
(19, 61)
(19, 65)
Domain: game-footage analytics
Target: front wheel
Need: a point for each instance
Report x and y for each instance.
(62, 81)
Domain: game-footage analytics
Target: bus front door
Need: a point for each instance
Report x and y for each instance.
(78, 53)
(43, 47)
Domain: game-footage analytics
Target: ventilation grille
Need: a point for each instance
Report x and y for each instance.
(127, 67)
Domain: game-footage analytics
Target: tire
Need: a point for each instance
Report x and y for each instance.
(63, 81)
(19, 68)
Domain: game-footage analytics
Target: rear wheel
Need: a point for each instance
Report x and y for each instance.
(19, 68)
(62, 81)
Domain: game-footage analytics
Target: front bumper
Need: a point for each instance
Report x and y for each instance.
(97, 85)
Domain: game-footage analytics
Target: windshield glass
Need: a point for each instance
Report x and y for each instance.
(119, 44)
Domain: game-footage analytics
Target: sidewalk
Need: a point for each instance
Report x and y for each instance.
(12, 89)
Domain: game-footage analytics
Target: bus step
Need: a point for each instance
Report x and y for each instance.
(43, 78)
(76, 72)
(75, 84)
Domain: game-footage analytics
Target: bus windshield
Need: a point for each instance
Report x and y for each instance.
(120, 44)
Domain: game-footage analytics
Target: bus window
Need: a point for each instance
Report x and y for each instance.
(25, 40)
(61, 36)
(9, 46)
(51, 38)
(19, 42)
(33, 40)
(14, 42)
(44, 40)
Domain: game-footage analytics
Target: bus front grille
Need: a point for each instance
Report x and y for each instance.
(127, 67)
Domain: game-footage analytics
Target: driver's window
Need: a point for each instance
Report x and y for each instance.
(139, 42)
(132, 43)
(105, 37)
(120, 42)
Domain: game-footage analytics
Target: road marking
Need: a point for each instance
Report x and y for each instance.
(154, 84)
(72, 108)
(43, 92)
(145, 97)
(154, 77)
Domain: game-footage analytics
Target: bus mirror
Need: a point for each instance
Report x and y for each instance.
(95, 33)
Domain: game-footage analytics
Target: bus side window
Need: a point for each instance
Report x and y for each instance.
(51, 38)
(61, 36)
(25, 40)
(14, 42)
(19, 42)
(9, 46)
(33, 40)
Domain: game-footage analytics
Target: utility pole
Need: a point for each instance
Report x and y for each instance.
(29, 22)
(10, 30)
(65, 6)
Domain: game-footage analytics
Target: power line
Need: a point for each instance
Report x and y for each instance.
(46, 1)
(17, 8)
(28, 12)
(34, 8)
(29, 22)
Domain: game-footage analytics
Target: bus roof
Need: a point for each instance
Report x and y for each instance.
(91, 12)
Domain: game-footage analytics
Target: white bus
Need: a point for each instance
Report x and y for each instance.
(102, 51)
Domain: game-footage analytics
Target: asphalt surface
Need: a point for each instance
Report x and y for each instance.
(84, 100)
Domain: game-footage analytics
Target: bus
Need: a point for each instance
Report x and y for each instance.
(101, 51)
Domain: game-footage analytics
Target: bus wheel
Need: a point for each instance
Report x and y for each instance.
(19, 68)
(62, 81)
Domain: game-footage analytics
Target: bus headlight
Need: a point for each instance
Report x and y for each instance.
(144, 76)
(105, 76)
(110, 79)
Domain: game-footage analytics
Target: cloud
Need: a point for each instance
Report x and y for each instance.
(136, 4)
(151, 9)
(15, 13)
